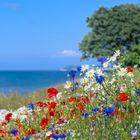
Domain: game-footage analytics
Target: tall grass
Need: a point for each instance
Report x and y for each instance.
(14, 101)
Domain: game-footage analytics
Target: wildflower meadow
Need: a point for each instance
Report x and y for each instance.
(97, 103)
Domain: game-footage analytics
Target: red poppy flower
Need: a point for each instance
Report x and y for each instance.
(3, 123)
(122, 97)
(84, 100)
(61, 120)
(71, 99)
(2, 131)
(43, 123)
(77, 100)
(40, 104)
(51, 105)
(50, 136)
(29, 132)
(8, 116)
(33, 131)
(129, 69)
(52, 92)
(51, 113)
(79, 107)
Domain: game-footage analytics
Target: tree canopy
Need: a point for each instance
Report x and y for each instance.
(111, 29)
(132, 57)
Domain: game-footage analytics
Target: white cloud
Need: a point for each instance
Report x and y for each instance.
(67, 53)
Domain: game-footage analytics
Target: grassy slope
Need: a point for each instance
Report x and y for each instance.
(15, 100)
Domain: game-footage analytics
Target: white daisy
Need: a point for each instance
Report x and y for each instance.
(22, 109)
(87, 87)
(117, 53)
(99, 71)
(67, 85)
(105, 65)
(122, 71)
(90, 73)
(84, 67)
(84, 80)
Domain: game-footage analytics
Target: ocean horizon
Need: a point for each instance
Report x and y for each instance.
(29, 81)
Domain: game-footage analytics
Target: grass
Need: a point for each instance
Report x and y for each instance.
(15, 100)
(137, 73)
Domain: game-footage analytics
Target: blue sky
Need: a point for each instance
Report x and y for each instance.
(44, 34)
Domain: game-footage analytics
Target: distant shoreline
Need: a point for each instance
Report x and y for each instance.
(30, 81)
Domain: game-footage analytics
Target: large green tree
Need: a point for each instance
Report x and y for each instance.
(111, 29)
(132, 57)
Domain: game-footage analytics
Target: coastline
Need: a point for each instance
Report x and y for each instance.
(15, 100)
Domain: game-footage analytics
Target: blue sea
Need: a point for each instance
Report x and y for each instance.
(25, 82)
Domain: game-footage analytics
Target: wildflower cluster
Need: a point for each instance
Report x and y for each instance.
(101, 103)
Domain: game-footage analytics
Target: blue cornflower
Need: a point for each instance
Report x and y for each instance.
(27, 138)
(79, 68)
(14, 131)
(134, 132)
(138, 99)
(55, 136)
(76, 84)
(99, 79)
(85, 114)
(30, 106)
(108, 110)
(96, 109)
(93, 125)
(51, 128)
(138, 92)
(62, 136)
(72, 73)
(101, 59)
